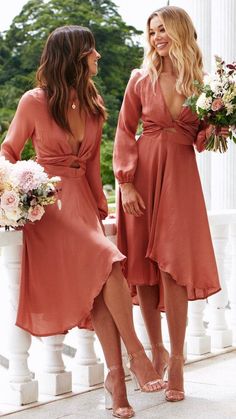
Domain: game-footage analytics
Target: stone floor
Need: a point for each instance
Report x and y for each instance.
(210, 394)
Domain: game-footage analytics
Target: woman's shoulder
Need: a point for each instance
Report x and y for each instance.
(139, 74)
(32, 96)
(36, 93)
(137, 80)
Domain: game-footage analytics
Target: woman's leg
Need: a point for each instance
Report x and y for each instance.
(109, 338)
(176, 305)
(117, 298)
(106, 332)
(149, 300)
(119, 306)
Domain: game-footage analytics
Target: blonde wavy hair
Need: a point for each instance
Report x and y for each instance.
(184, 52)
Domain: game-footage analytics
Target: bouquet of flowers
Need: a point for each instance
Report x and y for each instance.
(216, 104)
(25, 189)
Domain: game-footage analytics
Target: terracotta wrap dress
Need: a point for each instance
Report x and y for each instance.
(66, 256)
(173, 234)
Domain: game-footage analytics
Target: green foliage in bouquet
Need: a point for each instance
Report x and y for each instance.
(216, 103)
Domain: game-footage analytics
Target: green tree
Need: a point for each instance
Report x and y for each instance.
(22, 44)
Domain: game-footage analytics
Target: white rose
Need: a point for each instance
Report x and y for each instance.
(13, 215)
(204, 102)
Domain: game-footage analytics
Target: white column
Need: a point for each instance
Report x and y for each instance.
(223, 36)
(221, 335)
(87, 368)
(198, 342)
(223, 178)
(22, 388)
(200, 13)
(54, 380)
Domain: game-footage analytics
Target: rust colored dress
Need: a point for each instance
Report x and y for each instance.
(173, 234)
(66, 256)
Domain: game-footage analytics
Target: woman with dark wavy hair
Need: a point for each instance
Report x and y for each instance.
(71, 272)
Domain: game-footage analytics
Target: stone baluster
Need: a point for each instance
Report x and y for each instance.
(87, 368)
(232, 287)
(221, 336)
(53, 379)
(22, 388)
(198, 341)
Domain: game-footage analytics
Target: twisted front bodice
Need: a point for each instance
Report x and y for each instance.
(145, 102)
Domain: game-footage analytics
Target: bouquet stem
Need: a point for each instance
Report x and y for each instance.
(217, 143)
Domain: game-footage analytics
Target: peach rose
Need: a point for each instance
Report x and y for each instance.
(217, 104)
(9, 200)
(35, 213)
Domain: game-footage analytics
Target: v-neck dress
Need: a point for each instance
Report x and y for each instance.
(173, 234)
(66, 257)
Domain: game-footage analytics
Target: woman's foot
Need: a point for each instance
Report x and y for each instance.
(175, 388)
(160, 359)
(143, 372)
(115, 391)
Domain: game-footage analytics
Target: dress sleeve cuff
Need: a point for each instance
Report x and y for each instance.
(127, 180)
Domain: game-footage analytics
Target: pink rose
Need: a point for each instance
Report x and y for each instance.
(217, 104)
(35, 213)
(9, 200)
(28, 175)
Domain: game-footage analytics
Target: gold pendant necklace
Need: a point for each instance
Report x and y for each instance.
(73, 106)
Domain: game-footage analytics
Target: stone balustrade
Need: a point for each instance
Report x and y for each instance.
(209, 328)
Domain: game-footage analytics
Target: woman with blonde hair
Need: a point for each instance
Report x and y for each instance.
(162, 220)
(71, 274)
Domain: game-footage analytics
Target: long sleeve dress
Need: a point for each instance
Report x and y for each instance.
(173, 234)
(66, 257)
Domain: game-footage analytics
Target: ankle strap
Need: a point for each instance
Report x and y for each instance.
(116, 367)
(158, 345)
(136, 354)
(181, 357)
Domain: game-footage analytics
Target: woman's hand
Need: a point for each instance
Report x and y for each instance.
(224, 132)
(221, 131)
(132, 201)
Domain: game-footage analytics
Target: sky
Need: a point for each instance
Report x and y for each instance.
(133, 12)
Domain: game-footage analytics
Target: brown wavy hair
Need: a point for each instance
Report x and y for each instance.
(184, 53)
(63, 66)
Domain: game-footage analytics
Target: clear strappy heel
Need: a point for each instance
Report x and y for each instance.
(115, 393)
(173, 394)
(143, 373)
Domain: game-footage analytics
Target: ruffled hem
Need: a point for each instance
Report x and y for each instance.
(85, 321)
(193, 293)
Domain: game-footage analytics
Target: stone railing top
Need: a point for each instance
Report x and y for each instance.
(221, 217)
(10, 238)
(110, 226)
(14, 238)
